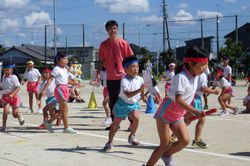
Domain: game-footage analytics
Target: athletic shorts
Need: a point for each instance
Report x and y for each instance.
(14, 101)
(122, 109)
(105, 92)
(52, 100)
(197, 104)
(61, 92)
(167, 86)
(230, 91)
(32, 87)
(170, 112)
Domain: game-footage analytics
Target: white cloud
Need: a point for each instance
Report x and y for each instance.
(46, 2)
(153, 19)
(37, 19)
(182, 15)
(207, 14)
(13, 3)
(243, 8)
(124, 6)
(183, 5)
(9, 24)
(230, 1)
(22, 35)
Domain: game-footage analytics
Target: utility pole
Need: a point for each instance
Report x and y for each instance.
(168, 38)
(67, 50)
(45, 44)
(236, 29)
(83, 43)
(164, 26)
(123, 31)
(217, 31)
(54, 4)
(202, 36)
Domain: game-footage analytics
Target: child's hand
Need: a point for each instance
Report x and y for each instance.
(38, 102)
(143, 86)
(216, 91)
(11, 96)
(199, 114)
(144, 98)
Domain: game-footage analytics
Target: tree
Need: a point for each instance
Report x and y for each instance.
(167, 56)
(246, 59)
(2, 48)
(232, 50)
(142, 54)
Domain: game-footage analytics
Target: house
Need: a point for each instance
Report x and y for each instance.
(243, 35)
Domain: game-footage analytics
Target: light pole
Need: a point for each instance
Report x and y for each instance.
(140, 28)
(54, 4)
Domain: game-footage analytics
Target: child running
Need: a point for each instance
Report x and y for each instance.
(167, 76)
(197, 104)
(174, 107)
(9, 88)
(155, 92)
(51, 104)
(33, 76)
(226, 92)
(132, 89)
(246, 102)
(61, 93)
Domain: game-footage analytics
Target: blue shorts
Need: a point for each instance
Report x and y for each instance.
(122, 109)
(197, 103)
(52, 100)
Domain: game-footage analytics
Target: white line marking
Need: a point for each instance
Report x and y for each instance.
(152, 144)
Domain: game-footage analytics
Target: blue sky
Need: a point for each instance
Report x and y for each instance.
(22, 21)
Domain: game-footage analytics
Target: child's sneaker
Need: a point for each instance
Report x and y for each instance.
(29, 111)
(40, 111)
(108, 146)
(3, 129)
(49, 126)
(205, 107)
(236, 110)
(107, 121)
(168, 161)
(223, 113)
(42, 126)
(199, 144)
(69, 130)
(132, 140)
(21, 120)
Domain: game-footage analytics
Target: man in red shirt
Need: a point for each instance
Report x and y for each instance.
(112, 51)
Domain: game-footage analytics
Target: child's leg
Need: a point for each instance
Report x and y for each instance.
(163, 132)
(205, 98)
(222, 100)
(105, 105)
(63, 107)
(47, 108)
(114, 128)
(187, 116)
(5, 114)
(135, 116)
(183, 139)
(16, 114)
(248, 106)
(31, 100)
(37, 97)
(199, 127)
(225, 98)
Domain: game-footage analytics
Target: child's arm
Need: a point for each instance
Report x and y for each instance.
(130, 94)
(14, 92)
(47, 85)
(188, 107)
(208, 90)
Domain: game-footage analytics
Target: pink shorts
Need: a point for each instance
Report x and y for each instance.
(170, 112)
(230, 91)
(32, 87)
(167, 86)
(61, 92)
(14, 101)
(105, 92)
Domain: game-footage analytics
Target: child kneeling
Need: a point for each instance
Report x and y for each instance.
(132, 89)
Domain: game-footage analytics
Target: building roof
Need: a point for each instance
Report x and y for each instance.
(245, 27)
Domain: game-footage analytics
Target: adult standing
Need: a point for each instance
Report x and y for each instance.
(148, 65)
(112, 51)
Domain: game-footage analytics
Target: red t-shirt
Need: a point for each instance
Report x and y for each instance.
(113, 53)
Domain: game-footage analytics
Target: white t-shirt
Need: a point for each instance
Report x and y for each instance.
(9, 84)
(202, 82)
(221, 83)
(154, 91)
(207, 72)
(32, 75)
(247, 98)
(103, 77)
(61, 75)
(169, 74)
(227, 70)
(131, 84)
(184, 84)
(50, 90)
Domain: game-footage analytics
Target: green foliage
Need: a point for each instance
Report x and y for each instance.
(142, 54)
(167, 56)
(233, 51)
(2, 48)
(246, 59)
(37, 63)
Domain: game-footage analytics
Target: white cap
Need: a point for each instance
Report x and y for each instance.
(171, 64)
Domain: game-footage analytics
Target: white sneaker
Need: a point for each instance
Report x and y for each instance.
(21, 120)
(107, 121)
(29, 111)
(23, 105)
(223, 113)
(236, 110)
(40, 110)
(168, 161)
